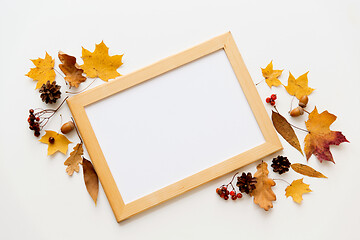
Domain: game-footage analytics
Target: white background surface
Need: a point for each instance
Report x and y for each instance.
(38, 199)
(174, 125)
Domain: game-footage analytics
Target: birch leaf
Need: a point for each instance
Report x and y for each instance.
(296, 190)
(306, 170)
(91, 179)
(284, 128)
(263, 194)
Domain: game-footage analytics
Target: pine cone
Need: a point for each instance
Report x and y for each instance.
(280, 164)
(50, 92)
(246, 183)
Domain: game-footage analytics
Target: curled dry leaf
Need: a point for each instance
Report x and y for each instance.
(100, 64)
(284, 128)
(74, 159)
(263, 194)
(72, 71)
(43, 71)
(91, 179)
(297, 189)
(298, 87)
(306, 170)
(320, 137)
(271, 75)
(60, 142)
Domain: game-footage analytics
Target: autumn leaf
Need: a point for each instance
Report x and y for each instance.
(72, 71)
(296, 190)
(263, 194)
(284, 128)
(60, 142)
(91, 179)
(100, 64)
(74, 159)
(320, 137)
(298, 87)
(43, 71)
(271, 76)
(306, 170)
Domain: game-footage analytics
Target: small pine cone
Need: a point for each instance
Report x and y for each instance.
(50, 92)
(280, 164)
(246, 183)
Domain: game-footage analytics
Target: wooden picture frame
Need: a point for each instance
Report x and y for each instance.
(78, 103)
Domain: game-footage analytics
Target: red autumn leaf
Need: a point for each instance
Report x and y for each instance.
(320, 137)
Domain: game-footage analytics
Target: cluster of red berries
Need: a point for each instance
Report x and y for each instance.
(271, 99)
(34, 123)
(224, 193)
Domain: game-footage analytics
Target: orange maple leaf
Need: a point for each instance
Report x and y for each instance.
(320, 137)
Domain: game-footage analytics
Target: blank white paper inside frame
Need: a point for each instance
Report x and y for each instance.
(174, 125)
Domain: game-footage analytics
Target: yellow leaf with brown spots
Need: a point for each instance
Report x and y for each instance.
(298, 87)
(43, 70)
(297, 189)
(271, 75)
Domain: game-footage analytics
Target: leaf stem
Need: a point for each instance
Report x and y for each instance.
(77, 131)
(259, 82)
(81, 90)
(279, 179)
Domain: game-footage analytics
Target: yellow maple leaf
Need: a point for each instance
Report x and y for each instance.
(298, 87)
(263, 194)
(60, 142)
(75, 158)
(296, 189)
(43, 71)
(271, 75)
(320, 137)
(100, 64)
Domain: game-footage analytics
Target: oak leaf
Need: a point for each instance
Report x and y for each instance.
(296, 189)
(284, 128)
(263, 194)
(271, 75)
(60, 142)
(74, 159)
(91, 179)
(100, 64)
(72, 71)
(43, 71)
(306, 170)
(320, 137)
(298, 87)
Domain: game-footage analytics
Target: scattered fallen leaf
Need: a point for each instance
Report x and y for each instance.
(297, 189)
(74, 159)
(284, 128)
(306, 170)
(43, 71)
(91, 179)
(271, 75)
(100, 64)
(60, 144)
(72, 71)
(263, 194)
(320, 137)
(298, 87)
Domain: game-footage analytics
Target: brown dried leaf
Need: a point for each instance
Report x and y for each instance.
(306, 170)
(91, 179)
(73, 73)
(263, 194)
(284, 128)
(75, 158)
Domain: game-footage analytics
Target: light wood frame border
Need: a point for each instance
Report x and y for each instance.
(78, 103)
